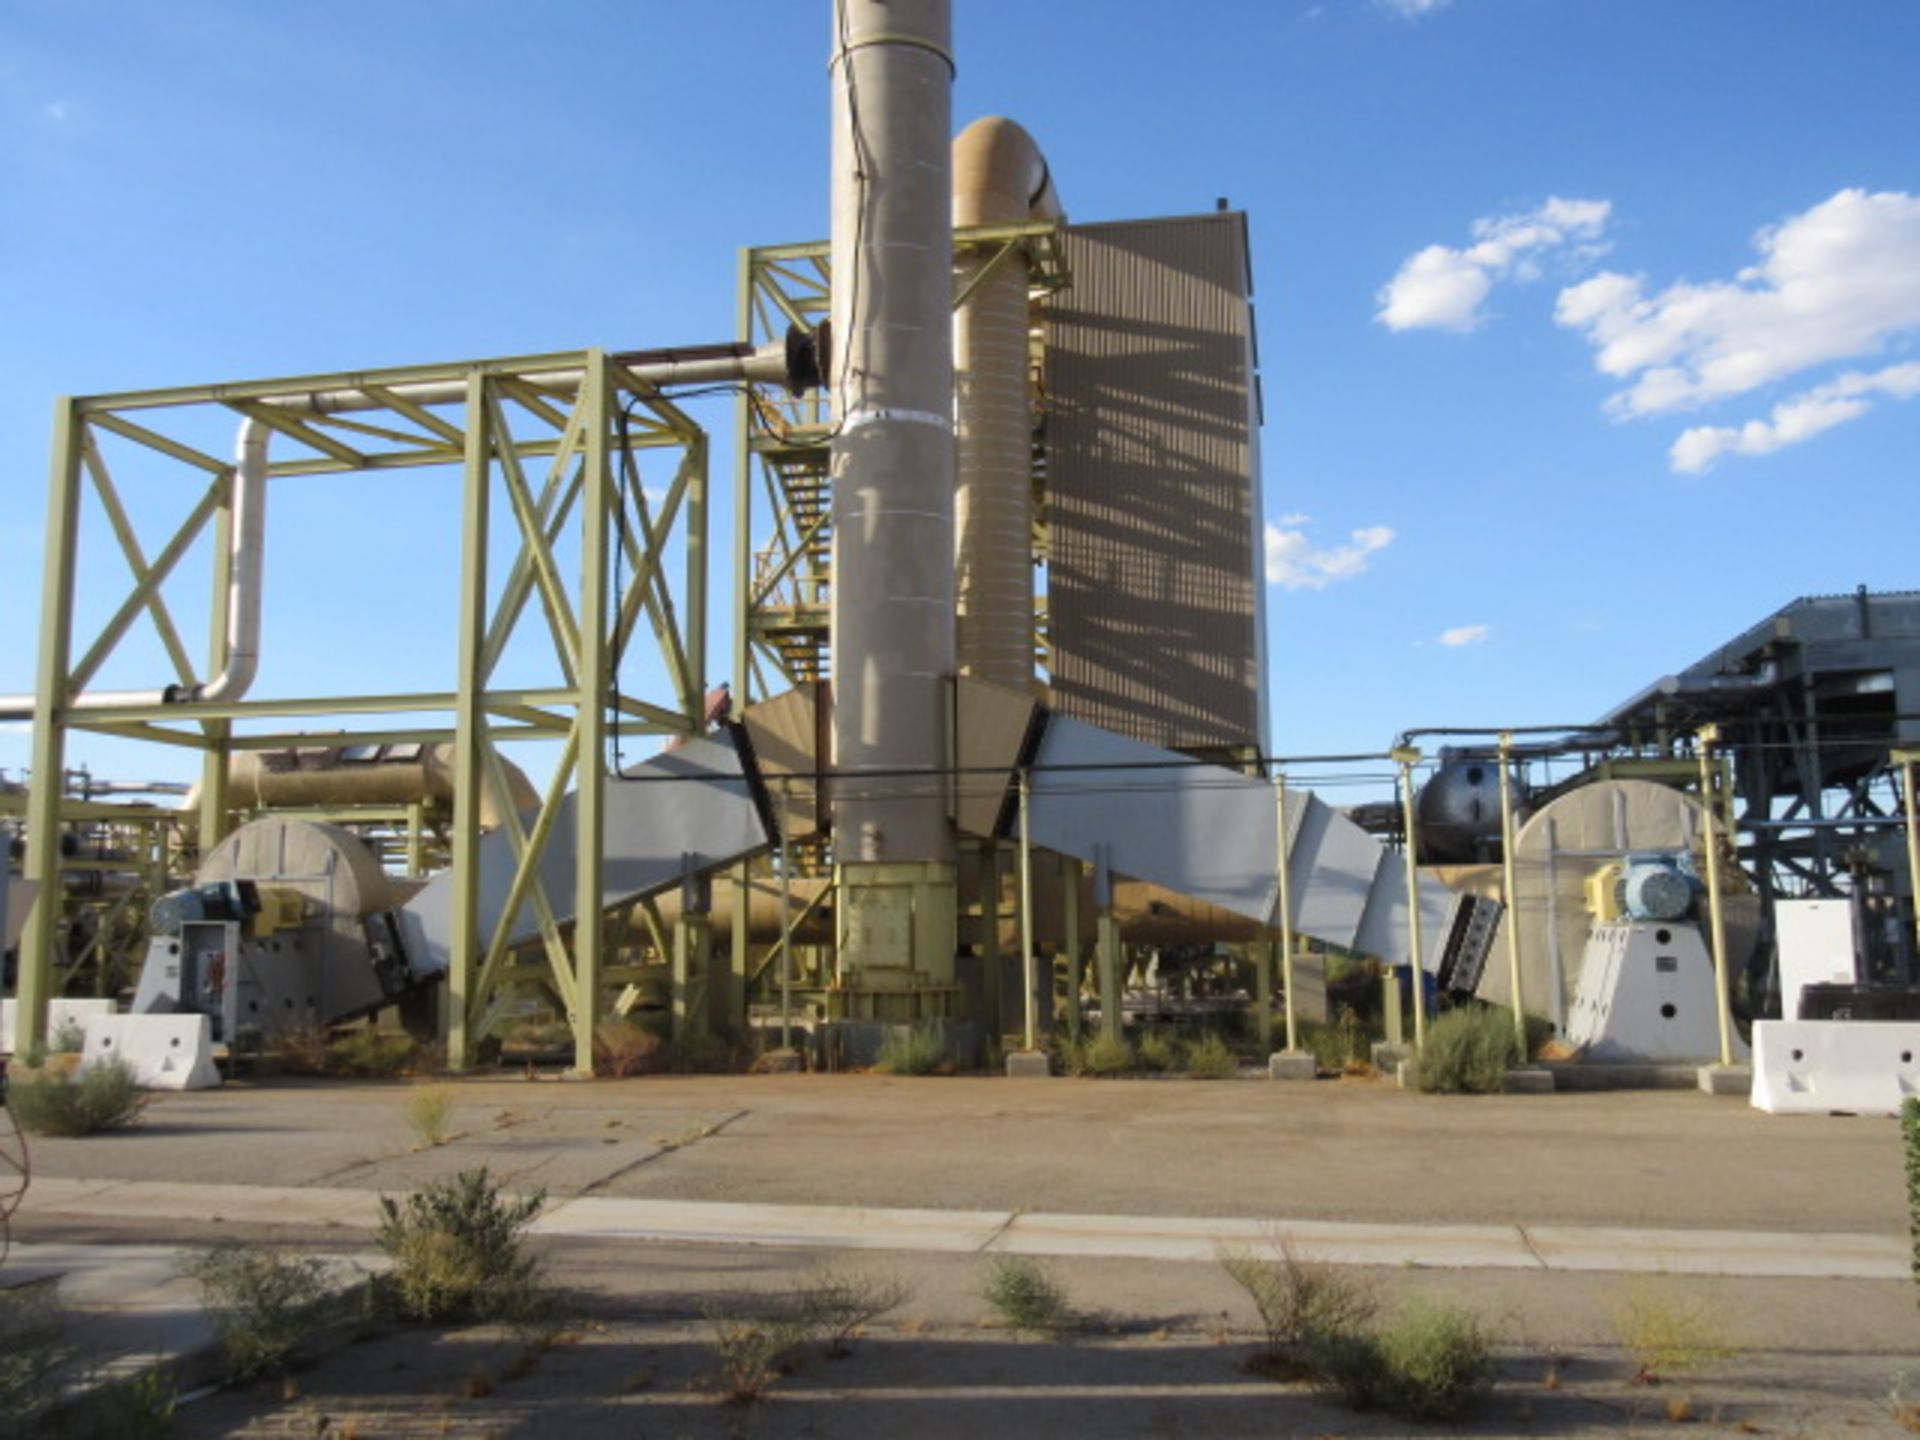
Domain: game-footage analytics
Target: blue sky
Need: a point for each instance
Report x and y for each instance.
(1588, 326)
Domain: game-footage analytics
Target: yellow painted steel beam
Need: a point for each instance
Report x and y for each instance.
(147, 578)
(464, 941)
(546, 572)
(35, 970)
(596, 683)
(153, 440)
(297, 429)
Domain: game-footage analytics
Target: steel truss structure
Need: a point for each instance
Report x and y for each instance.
(783, 509)
(545, 449)
(782, 587)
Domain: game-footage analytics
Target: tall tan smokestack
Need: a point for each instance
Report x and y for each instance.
(893, 455)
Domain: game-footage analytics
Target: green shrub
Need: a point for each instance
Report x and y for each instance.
(752, 1352)
(1299, 1300)
(457, 1250)
(1430, 1361)
(1212, 1058)
(1023, 1294)
(101, 1097)
(69, 1038)
(1109, 1055)
(835, 1303)
(427, 1111)
(624, 1047)
(1342, 1046)
(1910, 1136)
(1468, 1052)
(262, 1303)
(34, 1348)
(367, 1051)
(1158, 1051)
(912, 1050)
(1666, 1335)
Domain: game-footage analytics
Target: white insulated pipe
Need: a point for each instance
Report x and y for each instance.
(246, 560)
(893, 448)
(999, 178)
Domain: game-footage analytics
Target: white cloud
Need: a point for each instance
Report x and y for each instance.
(1294, 562)
(57, 112)
(1837, 282)
(1461, 635)
(1441, 288)
(1796, 419)
(1414, 9)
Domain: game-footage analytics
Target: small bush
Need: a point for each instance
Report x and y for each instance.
(1023, 1294)
(457, 1250)
(100, 1097)
(69, 1037)
(835, 1303)
(1666, 1335)
(752, 1352)
(34, 1348)
(1158, 1051)
(1341, 1047)
(1468, 1052)
(1299, 1299)
(427, 1111)
(623, 1048)
(261, 1303)
(912, 1050)
(304, 1050)
(368, 1051)
(1212, 1058)
(1910, 1138)
(1109, 1055)
(1430, 1361)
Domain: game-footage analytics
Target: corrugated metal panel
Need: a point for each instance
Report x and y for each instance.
(1153, 484)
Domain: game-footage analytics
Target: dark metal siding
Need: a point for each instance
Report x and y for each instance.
(1154, 585)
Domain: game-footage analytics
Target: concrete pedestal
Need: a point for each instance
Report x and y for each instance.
(1734, 1080)
(1028, 1065)
(1291, 1065)
(780, 1062)
(1528, 1080)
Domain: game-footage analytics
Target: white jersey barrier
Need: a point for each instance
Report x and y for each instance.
(1823, 1067)
(166, 1052)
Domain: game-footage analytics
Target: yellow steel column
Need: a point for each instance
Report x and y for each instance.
(1406, 757)
(468, 729)
(1076, 962)
(1909, 761)
(1708, 736)
(1510, 921)
(1026, 906)
(1283, 864)
(34, 985)
(590, 721)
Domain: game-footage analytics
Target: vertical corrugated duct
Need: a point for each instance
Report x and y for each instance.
(999, 178)
(892, 620)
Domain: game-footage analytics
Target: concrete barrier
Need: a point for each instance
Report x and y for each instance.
(167, 1052)
(1824, 1067)
(60, 1013)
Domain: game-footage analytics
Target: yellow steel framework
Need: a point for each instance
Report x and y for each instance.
(783, 588)
(544, 447)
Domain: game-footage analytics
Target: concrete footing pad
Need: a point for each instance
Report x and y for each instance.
(780, 1062)
(1028, 1065)
(1291, 1065)
(1733, 1080)
(1528, 1080)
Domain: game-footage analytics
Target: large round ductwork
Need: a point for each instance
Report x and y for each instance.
(999, 178)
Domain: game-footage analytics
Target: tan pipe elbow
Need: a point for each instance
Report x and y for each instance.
(999, 175)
